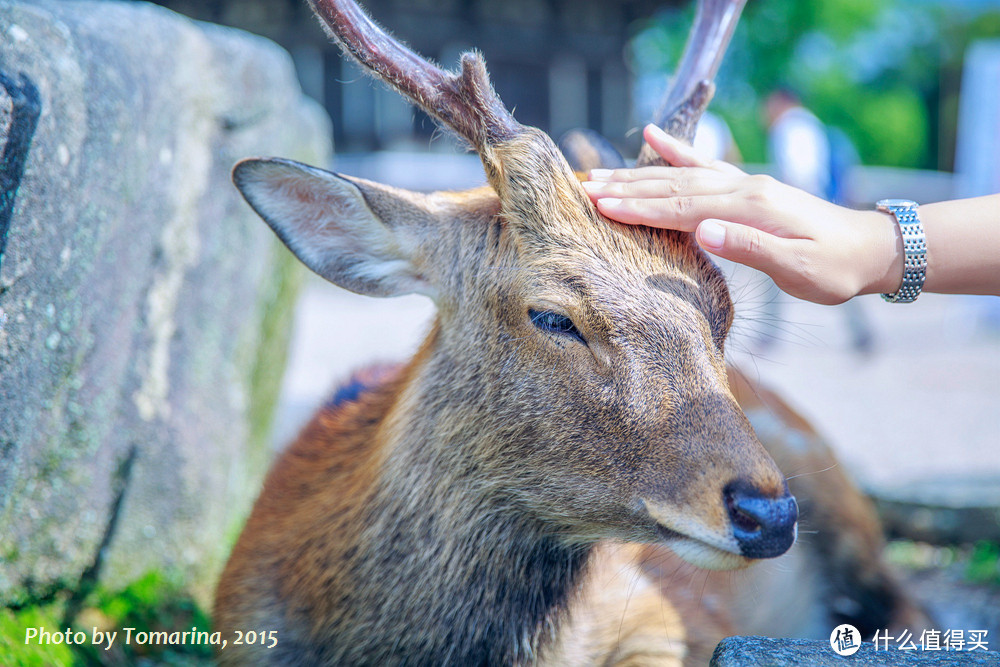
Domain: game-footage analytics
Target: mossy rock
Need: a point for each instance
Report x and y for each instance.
(144, 307)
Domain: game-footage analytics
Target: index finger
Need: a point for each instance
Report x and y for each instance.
(674, 151)
(680, 154)
(658, 173)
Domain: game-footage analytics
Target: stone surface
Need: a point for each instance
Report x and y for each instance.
(766, 652)
(144, 306)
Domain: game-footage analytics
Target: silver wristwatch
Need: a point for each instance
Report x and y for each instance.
(914, 248)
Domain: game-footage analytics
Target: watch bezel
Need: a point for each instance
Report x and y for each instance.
(886, 204)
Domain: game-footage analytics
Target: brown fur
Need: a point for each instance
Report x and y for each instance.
(474, 507)
(634, 605)
(391, 495)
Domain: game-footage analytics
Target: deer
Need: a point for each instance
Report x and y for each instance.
(566, 433)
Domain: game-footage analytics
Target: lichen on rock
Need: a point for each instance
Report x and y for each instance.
(144, 307)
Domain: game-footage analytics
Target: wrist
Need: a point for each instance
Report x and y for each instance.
(883, 255)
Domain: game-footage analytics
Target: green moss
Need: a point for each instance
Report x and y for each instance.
(276, 311)
(15, 653)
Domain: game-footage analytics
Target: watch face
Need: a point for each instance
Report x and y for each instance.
(895, 203)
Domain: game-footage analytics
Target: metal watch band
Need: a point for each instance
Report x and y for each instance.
(914, 249)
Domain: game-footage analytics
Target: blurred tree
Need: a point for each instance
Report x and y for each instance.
(886, 73)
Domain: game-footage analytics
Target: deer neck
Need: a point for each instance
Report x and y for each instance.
(470, 578)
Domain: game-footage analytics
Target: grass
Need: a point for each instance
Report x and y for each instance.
(154, 603)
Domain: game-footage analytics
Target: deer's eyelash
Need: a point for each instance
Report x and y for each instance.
(555, 323)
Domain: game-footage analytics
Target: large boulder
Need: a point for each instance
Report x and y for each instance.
(143, 307)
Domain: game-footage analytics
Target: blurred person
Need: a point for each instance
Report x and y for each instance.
(808, 155)
(714, 139)
(797, 144)
(812, 249)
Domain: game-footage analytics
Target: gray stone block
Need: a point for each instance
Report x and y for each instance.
(143, 306)
(767, 652)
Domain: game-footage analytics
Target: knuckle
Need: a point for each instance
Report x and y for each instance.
(753, 244)
(681, 206)
(760, 189)
(651, 173)
(610, 189)
(631, 189)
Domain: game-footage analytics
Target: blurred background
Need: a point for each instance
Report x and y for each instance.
(889, 74)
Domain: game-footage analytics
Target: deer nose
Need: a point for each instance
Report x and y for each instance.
(764, 527)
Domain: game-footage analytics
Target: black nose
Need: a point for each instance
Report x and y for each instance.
(763, 527)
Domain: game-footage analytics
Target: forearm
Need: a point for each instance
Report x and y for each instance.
(963, 248)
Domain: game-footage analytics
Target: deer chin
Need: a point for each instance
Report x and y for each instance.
(703, 554)
(697, 544)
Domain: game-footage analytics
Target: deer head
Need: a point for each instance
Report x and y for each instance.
(575, 372)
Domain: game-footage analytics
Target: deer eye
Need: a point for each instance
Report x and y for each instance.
(555, 323)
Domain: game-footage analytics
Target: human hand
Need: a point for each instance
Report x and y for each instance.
(812, 249)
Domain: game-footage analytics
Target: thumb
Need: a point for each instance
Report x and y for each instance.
(740, 243)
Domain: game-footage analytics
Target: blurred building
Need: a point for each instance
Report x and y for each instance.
(558, 63)
(978, 143)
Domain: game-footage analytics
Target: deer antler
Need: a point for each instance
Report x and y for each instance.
(692, 88)
(464, 101)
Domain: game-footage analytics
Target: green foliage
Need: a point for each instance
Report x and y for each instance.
(886, 73)
(153, 602)
(977, 564)
(15, 653)
(920, 556)
(156, 602)
(841, 19)
(983, 566)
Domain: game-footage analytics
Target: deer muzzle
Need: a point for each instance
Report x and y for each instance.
(717, 497)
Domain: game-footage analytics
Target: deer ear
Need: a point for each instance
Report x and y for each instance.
(326, 220)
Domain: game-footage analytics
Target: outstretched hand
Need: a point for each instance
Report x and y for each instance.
(812, 249)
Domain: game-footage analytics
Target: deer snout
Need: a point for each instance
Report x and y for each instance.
(763, 527)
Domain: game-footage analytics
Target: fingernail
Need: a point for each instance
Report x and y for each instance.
(711, 234)
(657, 132)
(600, 174)
(609, 202)
(592, 186)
